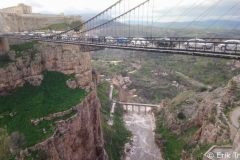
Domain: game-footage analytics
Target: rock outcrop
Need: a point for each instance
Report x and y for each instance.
(208, 116)
(52, 57)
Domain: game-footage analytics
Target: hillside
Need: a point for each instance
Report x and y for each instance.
(159, 76)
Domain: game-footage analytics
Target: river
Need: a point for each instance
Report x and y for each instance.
(141, 125)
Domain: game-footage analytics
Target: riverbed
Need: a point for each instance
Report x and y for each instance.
(141, 125)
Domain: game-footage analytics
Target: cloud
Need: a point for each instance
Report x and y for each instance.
(34, 4)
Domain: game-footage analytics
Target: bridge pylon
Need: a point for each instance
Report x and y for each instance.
(4, 46)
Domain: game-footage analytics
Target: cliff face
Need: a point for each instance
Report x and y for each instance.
(77, 138)
(62, 58)
(206, 111)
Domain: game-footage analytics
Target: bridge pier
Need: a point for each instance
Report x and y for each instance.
(4, 46)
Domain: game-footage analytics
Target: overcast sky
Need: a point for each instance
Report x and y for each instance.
(191, 9)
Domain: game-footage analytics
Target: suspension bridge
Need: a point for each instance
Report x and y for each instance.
(121, 26)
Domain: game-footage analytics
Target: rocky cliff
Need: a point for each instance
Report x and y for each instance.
(204, 110)
(77, 138)
(53, 57)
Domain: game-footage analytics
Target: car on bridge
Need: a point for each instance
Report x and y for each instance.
(197, 43)
(230, 45)
(110, 40)
(140, 41)
(123, 40)
(164, 42)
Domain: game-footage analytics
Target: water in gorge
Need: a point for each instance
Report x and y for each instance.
(141, 125)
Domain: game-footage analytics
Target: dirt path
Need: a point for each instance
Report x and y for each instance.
(234, 116)
(192, 81)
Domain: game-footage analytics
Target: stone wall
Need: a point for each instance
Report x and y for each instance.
(17, 22)
(79, 137)
(52, 57)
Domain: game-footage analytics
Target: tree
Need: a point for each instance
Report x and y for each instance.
(181, 115)
(16, 140)
(76, 23)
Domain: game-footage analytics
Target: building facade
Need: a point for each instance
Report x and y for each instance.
(20, 9)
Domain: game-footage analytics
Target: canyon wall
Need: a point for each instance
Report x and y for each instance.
(52, 57)
(208, 116)
(80, 136)
(77, 138)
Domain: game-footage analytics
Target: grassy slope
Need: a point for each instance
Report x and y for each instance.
(117, 135)
(31, 102)
(174, 144)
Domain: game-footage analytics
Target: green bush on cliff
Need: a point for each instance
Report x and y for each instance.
(30, 102)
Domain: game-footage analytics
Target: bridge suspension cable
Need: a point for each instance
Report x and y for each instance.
(167, 12)
(220, 18)
(120, 16)
(91, 19)
(206, 11)
(185, 12)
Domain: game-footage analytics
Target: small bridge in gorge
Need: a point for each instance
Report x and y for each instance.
(139, 107)
(132, 106)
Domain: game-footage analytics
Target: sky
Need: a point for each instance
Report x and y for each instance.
(159, 10)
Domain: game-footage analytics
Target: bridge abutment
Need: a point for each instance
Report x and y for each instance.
(4, 45)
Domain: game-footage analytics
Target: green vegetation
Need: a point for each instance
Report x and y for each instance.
(179, 99)
(29, 102)
(212, 71)
(117, 135)
(74, 24)
(58, 26)
(27, 46)
(63, 26)
(148, 79)
(173, 144)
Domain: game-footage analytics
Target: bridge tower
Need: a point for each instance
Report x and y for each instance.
(4, 46)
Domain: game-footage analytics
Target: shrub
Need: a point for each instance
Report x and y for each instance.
(4, 57)
(181, 115)
(202, 89)
(16, 140)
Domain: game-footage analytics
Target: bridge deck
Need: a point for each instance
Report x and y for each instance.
(179, 49)
(138, 104)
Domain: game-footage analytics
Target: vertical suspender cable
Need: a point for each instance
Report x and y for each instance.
(138, 20)
(129, 16)
(142, 18)
(147, 18)
(152, 17)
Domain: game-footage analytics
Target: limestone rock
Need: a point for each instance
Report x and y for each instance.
(52, 57)
(71, 84)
